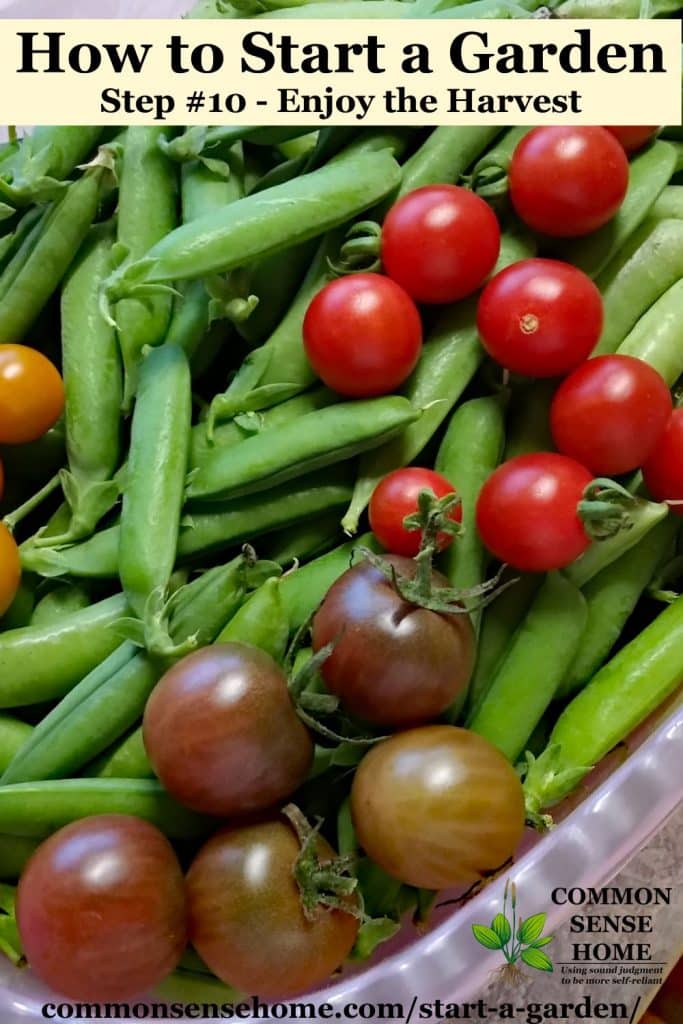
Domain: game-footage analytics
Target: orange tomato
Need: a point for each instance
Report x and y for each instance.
(2, 481)
(10, 568)
(31, 394)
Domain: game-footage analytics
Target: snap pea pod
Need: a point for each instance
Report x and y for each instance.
(303, 540)
(209, 142)
(623, 693)
(42, 663)
(127, 759)
(450, 358)
(634, 281)
(330, 435)
(526, 680)
(20, 245)
(668, 204)
(14, 853)
(489, 176)
(65, 599)
(529, 419)
(656, 337)
(263, 223)
(615, 8)
(649, 171)
(275, 280)
(202, 532)
(261, 621)
(36, 809)
(146, 214)
(14, 237)
(610, 597)
(445, 155)
(60, 235)
(21, 609)
(644, 516)
(155, 477)
(43, 160)
(303, 588)
(13, 735)
(470, 451)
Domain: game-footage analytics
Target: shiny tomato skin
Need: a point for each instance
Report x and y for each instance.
(440, 243)
(663, 470)
(222, 733)
(395, 497)
(632, 138)
(362, 335)
(10, 568)
(393, 663)
(245, 915)
(527, 511)
(610, 413)
(101, 909)
(437, 807)
(31, 394)
(568, 181)
(540, 318)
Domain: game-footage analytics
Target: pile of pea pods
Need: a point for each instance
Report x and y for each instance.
(203, 485)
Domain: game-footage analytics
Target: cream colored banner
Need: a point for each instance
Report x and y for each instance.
(340, 72)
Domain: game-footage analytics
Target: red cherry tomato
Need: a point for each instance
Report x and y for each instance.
(395, 497)
(440, 243)
(527, 512)
(568, 181)
(540, 318)
(362, 335)
(663, 471)
(101, 908)
(633, 139)
(610, 413)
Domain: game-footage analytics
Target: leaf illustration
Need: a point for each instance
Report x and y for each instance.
(502, 927)
(537, 959)
(486, 937)
(542, 941)
(532, 928)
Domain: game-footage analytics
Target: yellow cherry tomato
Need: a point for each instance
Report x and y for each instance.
(10, 568)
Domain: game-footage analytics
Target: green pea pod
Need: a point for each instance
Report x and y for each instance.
(669, 204)
(489, 176)
(470, 451)
(14, 854)
(37, 809)
(49, 255)
(319, 439)
(261, 622)
(303, 588)
(450, 358)
(13, 735)
(20, 611)
(304, 540)
(127, 759)
(94, 558)
(611, 596)
(643, 516)
(533, 667)
(621, 696)
(64, 599)
(274, 281)
(155, 477)
(13, 244)
(529, 419)
(637, 278)
(615, 8)
(38, 167)
(146, 215)
(262, 223)
(649, 171)
(198, 141)
(42, 663)
(656, 337)
(445, 155)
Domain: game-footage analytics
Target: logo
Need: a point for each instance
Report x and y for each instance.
(517, 938)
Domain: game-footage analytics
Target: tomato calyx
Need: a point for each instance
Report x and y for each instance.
(231, 297)
(605, 508)
(325, 885)
(360, 251)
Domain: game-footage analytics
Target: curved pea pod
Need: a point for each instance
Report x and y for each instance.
(261, 622)
(470, 451)
(637, 277)
(450, 357)
(14, 854)
(13, 735)
(669, 204)
(36, 170)
(649, 172)
(37, 809)
(656, 337)
(533, 667)
(319, 439)
(611, 596)
(64, 599)
(643, 517)
(94, 558)
(127, 759)
(146, 214)
(42, 663)
(48, 256)
(303, 541)
(622, 695)
(155, 476)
